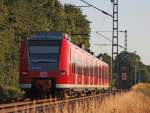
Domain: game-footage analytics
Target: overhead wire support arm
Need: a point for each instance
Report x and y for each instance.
(83, 6)
(110, 40)
(104, 12)
(77, 6)
(103, 44)
(104, 36)
(125, 40)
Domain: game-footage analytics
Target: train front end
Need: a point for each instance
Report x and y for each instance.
(39, 64)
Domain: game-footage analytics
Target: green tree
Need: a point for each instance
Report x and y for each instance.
(20, 19)
(131, 63)
(76, 23)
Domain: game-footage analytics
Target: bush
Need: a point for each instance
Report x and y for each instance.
(10, 93)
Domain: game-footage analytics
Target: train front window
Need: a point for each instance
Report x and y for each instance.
(43, 55)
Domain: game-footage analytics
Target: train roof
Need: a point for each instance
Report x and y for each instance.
(49, 36)
(77, 47)
(59, 36)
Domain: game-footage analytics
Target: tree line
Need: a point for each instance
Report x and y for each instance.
(20, 19)
(131, 64)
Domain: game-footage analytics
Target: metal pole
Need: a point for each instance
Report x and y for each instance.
(135, 70)
(115, 74)
(125, 41)
(139, 78)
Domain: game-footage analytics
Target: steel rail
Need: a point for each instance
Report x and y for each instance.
(33, 105)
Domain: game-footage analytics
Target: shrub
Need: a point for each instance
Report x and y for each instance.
(10, 93)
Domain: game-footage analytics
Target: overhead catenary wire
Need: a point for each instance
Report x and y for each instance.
(104, 12)
(108, 39)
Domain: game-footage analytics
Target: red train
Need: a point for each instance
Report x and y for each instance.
(51, 65)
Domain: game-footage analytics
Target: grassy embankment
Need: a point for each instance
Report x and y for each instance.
(136, 101)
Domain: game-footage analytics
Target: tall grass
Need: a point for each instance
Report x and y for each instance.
(129, 102)
(135, 101)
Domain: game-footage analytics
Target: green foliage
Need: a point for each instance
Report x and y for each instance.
(10, 93)
(76, 23)
(21, 18)
(127, 64)
(105, 57)
(131, 63)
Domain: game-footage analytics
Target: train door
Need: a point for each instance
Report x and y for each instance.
(104, 76)
(91, 75)
(88, 70)
(101, 74)
(73, 67)
(96, 75)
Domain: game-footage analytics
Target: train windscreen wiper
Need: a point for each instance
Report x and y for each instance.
(44, 61)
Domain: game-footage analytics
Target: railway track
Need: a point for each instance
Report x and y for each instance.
(38, 105)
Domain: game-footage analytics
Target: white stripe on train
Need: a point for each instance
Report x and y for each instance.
(69, 86)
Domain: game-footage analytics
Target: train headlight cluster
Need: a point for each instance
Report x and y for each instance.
(24, 73)
(63, 73)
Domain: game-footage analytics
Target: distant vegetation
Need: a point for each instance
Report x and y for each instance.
(127, 63)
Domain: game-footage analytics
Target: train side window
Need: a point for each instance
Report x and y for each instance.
(85, 70)
(80, 69)
(88, 68)
(106, 73)
(95, 71)
(99, 70)
(103, 72)
(73, 67)
(76, 68)
(92, 70)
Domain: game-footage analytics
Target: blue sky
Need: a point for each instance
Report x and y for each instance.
(134, 16)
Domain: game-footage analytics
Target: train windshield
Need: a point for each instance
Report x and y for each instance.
(44, 55)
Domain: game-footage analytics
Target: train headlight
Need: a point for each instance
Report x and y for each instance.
(24, 73)
(63, 73)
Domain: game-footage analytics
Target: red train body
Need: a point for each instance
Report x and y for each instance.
(51, 64)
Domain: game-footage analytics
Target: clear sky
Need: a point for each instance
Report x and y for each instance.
(134, 16)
